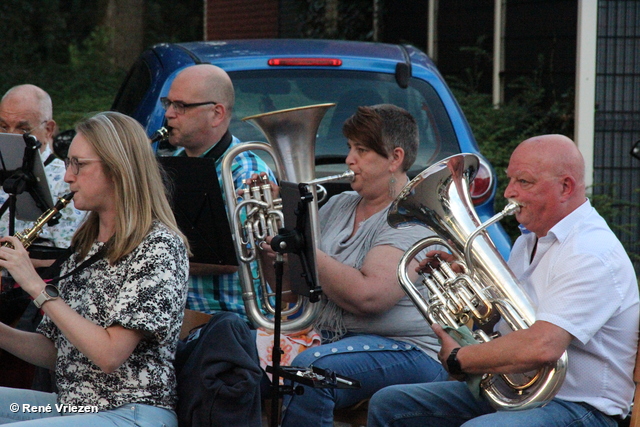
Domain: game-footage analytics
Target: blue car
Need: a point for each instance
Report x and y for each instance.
(276, 74)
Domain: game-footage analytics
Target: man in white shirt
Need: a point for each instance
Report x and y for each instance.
(28, 109)
(585, 294)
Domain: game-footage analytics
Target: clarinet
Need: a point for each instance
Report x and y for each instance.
(160, 135)
(29, 235)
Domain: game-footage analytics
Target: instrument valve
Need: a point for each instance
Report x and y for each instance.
(246, 193)
(448, 271)
(438, 276)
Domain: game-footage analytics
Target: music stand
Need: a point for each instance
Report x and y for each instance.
(21, 168)
(200, 210)
(297, 241)
(302, 267)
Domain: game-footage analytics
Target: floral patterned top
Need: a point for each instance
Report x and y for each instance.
(147, 291)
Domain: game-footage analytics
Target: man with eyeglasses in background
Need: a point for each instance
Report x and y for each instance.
(198, 108)
(27, 109)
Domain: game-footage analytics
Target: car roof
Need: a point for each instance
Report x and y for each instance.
(165, 60)
(254, 53)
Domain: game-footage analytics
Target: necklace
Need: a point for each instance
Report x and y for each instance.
(365, 216)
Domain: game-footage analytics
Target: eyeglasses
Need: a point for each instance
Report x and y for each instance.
(21, 128)
(180, 107)
(76, 163)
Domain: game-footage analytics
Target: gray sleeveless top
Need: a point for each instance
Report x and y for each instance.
(403, 321)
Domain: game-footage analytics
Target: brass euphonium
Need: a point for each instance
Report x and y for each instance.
(438, 198)
(291, 134)
(29, 235)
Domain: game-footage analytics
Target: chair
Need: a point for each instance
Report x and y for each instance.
(192, 319)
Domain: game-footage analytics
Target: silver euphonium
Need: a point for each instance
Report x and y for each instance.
(438, 198)
(291, 134)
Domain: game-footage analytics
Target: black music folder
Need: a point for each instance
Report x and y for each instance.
(12, 153)
(303, 274)
(199, 209)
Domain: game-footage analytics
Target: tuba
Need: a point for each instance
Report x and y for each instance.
(291, 134)
(438, 198)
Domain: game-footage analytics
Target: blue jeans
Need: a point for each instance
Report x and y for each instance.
(373, 360)
(36, 413)
(450, 403)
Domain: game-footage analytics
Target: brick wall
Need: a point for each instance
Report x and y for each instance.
(241, 19)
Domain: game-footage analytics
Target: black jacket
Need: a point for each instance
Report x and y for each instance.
(219, 375)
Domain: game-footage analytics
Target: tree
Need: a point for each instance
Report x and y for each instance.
(125, 21)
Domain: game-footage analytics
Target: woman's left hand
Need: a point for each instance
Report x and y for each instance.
(16, 260)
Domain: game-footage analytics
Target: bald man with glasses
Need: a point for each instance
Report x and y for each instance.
(27, 109)
(198, 108)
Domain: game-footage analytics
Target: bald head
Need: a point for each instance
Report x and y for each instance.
(31, 98)
(557, 155)
(546, 177)
(209, 83)
(201, 125)
(28, 108)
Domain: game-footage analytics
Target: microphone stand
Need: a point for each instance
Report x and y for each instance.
(293, 242)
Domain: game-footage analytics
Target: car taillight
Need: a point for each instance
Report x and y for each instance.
(481, 186)
(305, 62)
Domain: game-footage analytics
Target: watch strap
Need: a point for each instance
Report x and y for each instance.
(44, 297)
(41, 299)
(453, 364)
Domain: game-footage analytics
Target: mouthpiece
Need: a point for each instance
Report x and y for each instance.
(64, 201)
(161, 134)
(512, 207)
(348, 175)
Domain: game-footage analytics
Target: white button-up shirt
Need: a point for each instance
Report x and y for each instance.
(582, 280)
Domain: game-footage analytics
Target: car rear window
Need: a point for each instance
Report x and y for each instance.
(270, 90)
(134, 89)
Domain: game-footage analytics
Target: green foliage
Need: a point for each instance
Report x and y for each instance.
(75, 91)
(22, 24)
(533, 110)
(354, 20)
(92, 51)
(170, 21)
(622, 215)
(59, 46)
(38, 32)
(88, 83)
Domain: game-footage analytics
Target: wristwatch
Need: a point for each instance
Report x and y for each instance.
(453, 364)
(49, 293)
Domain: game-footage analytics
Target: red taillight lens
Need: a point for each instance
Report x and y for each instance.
(481, 186)
(305, 62)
